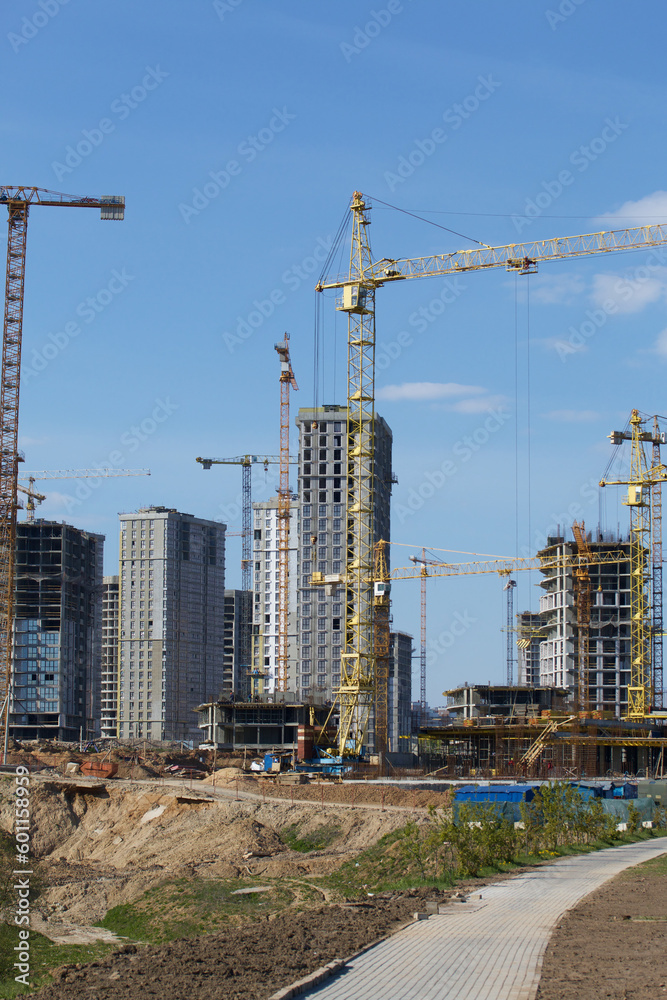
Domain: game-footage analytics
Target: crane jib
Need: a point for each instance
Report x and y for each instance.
(513, 256)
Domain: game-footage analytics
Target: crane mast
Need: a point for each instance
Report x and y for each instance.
(354, 698)
(287, 382)
(641, 483)
(656, 548)
(358, 286)
(424, 562)
(18, 201)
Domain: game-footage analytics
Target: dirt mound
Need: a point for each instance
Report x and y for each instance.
(352, 793)
(136, 772)
(243, 963)
(137, 835)
(226, 774)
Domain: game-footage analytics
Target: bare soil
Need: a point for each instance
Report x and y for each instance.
(613, 946)
(104, 845)
(349, 793)
(249, 962)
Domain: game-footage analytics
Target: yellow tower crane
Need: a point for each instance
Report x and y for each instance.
(353, 700)
(579, 563)
(287, 382)
(32, 495)
(641, 483)
(18, 201)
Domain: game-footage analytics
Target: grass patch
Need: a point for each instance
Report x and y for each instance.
(402, 860)
(181, 908)
(44, 956)
(315, 840)
(395, 863)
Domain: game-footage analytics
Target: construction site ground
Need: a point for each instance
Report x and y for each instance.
(612, 946)
(162, 886)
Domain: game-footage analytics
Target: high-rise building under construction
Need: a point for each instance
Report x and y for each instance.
(57, 632)
(109, 685)
(323, 536)
(264, 656)
(607, 657)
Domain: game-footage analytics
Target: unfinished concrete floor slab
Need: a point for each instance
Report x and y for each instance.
(489, 948)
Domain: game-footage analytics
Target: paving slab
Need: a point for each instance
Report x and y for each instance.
(490, 948)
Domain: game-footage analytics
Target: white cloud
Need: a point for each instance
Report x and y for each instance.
(427, 391)
(480, 405)
(644, 212)
(561, 289)
(632, 291)
(660, 346)
(573, 416)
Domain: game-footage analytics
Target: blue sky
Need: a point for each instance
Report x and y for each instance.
(237, 132)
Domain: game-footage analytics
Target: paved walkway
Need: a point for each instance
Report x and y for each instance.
(489, 948)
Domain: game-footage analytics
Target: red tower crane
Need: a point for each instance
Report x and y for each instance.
(18, 201)
(287, 382)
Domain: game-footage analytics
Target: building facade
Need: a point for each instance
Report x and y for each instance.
(399, 692)
(608, 659)
(237, 645)
(172, 606)
(110, 648)
(323, 534)
(264, 670)
(56, 665)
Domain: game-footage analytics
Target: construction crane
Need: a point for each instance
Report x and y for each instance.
(358, 287)
(503, 567)
(510, 629)
(640, 482)
(424, 562)
(32, 477)
(287, 382)
(18, 201)
(32, 495)
(102, 473)
(582, 599)
(246, 462)
(656, 549)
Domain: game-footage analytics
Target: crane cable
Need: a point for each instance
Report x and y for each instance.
(429, 221)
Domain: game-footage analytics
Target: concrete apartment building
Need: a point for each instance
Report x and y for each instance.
(399, 692)
(609, 635)
(237, 646)
(265, 586)
(322, 491)
(57, 632)
(172, 605)
(110, 649)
